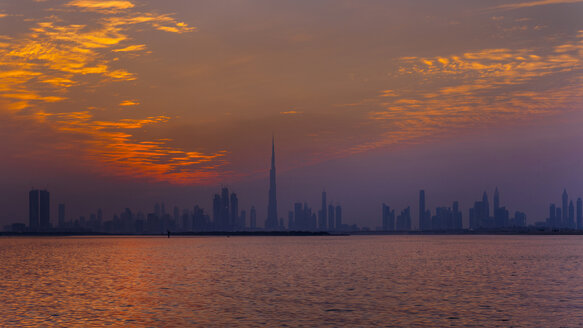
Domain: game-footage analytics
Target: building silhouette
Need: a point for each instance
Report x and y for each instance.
(252, 218)
(480, 213)
(39, 210)
(571, 217)
(567, 217)
(496, 200)
(33, 210)
(331, 217)
(447, 218)
(424, 215)
(404, 220)
(234, 223)
(338, 218)
(271, 222)
(564, 209)
(388, 218)
(323, 213)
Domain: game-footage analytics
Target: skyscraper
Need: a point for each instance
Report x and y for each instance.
(404, 220)
(565, 210)
(271, 222)
(331, 217)
(424, 218)
(217, 211)
(234, 217)
(44, 210)
(571, 218)
(323, 213)
(486, 205)
(33, 207)
(252, 218)
(224, 213)
(338, 217)
(388, 218)
(496, 200)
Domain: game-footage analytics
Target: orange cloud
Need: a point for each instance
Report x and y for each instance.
(101, 5)
(136, 47)
(129, 103)
(477, 89)
(40, 67)
(534, 4)
(111, 144)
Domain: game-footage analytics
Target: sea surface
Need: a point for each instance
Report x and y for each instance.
(354, 281)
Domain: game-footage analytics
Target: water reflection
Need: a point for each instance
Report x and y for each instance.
(277, 281)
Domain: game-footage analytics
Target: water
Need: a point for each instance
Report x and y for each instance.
(292, 281)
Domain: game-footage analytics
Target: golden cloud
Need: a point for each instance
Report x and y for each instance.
(129, 103)
(101, 5)
(477, 89)
(135, 47)
(41, 66)
(290, 112)
(534, 4)
(111, 144)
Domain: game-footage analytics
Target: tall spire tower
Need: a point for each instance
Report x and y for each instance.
(271, 222)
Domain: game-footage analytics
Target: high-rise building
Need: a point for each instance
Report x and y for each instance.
(252, 218)
(501, 217)
(404, 220)
(44, 210)
(271, 222)
(480, 214)
(457, 216)
(243, 220)
(486, 205)
(290, 220)
(552, 222)
(388, 218)
(579, 214)
(224, 213)
(61, 215)
(338, 217)
(33, 210)
(565, 209)
(323, 213)
(331, 217)
(571, 217)
(519, 219)
(300, 222)
(217, 211)
(199, 219)
(496, 200)
(422, 219)
(234, 217)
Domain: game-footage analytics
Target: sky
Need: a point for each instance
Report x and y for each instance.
(124, 103)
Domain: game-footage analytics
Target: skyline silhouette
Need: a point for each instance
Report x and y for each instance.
(113, 106)
(226, 216)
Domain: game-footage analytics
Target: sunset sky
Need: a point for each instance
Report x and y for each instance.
(114, 104)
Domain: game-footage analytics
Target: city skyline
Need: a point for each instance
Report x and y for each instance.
(325, 163)
(126, 103)
(226, 216)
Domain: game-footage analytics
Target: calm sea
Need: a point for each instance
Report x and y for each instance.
(527, 281)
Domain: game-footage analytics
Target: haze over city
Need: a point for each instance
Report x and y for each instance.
(115, 104)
